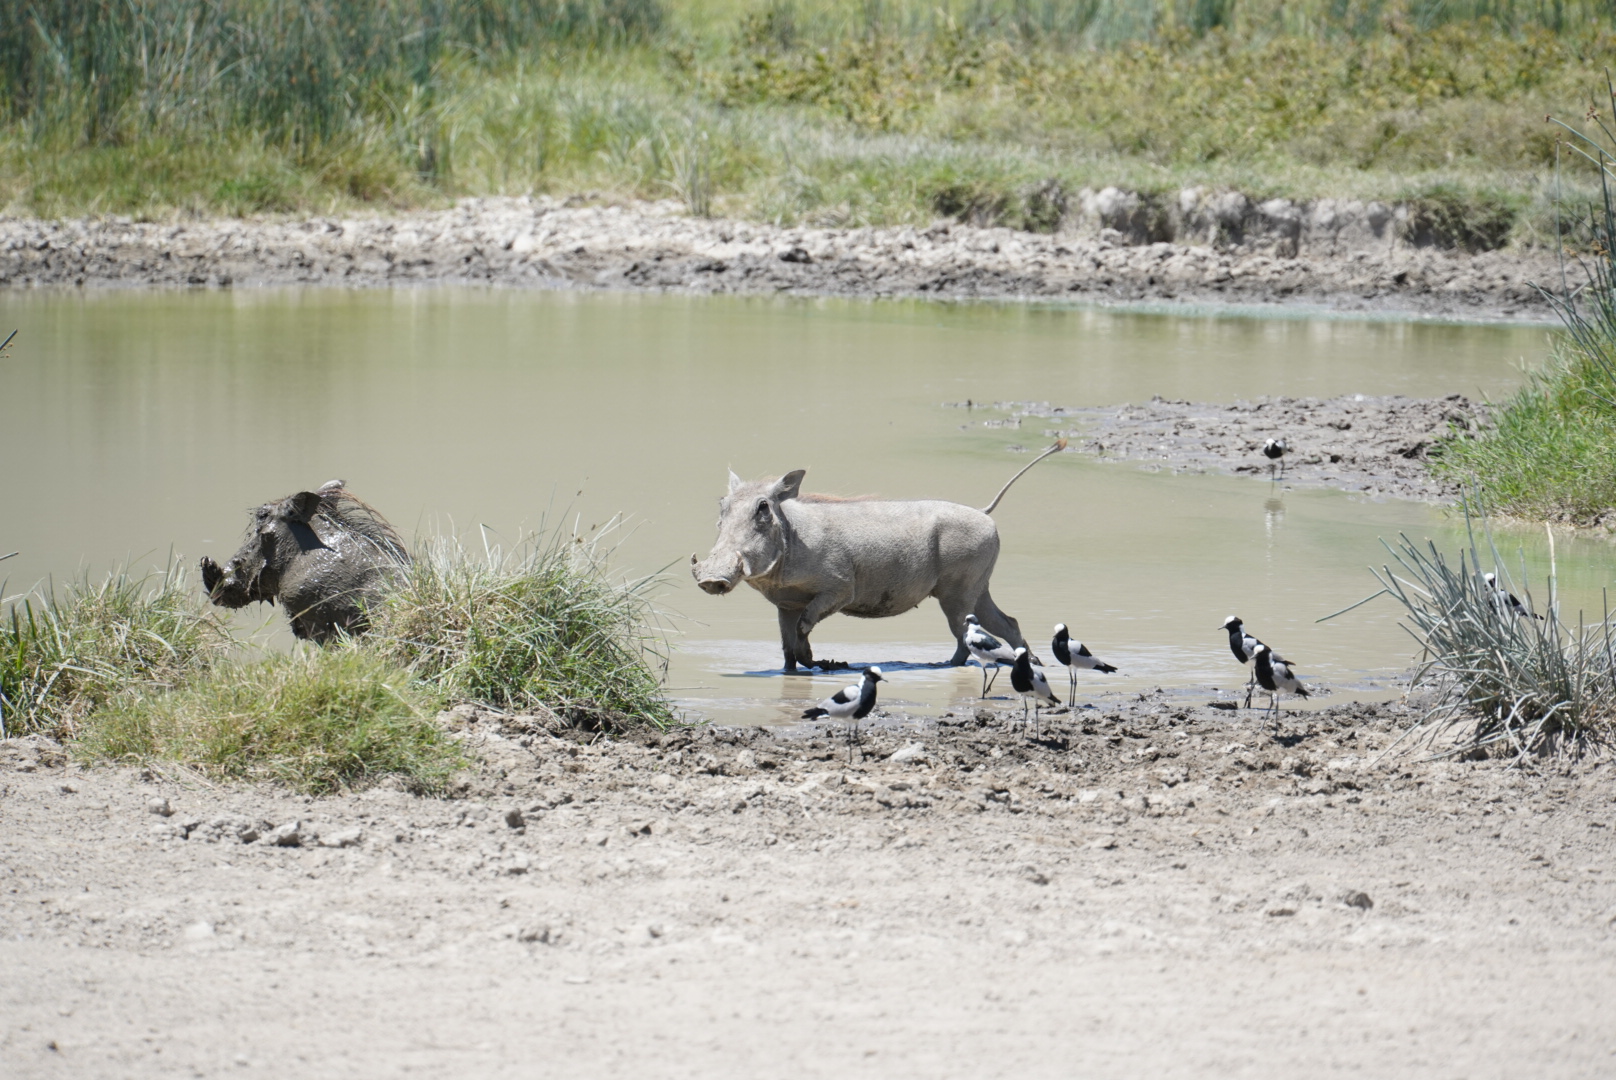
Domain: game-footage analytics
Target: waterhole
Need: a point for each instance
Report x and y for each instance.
(136, 424)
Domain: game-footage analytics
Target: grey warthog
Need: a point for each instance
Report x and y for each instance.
(323, 554)
(815, 555)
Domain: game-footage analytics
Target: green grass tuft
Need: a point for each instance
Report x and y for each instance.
(318, 721)
(64, 654)
(540, 627)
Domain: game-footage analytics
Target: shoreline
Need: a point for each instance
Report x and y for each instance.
(548, 244)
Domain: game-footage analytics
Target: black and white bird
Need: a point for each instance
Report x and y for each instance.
(1505, 601)
(1076, 656)
(1275, 676)
(1274, 450)
(1244, 647)
(1029, 682)
(849, 703)
(987, 649)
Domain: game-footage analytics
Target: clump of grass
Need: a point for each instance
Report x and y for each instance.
(66, 653)
(1519, 683)
(543, 626)
(319, 721)
(1550, 451)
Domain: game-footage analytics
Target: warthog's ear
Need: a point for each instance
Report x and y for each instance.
(734, 481)
(787, 486)
(301, 507)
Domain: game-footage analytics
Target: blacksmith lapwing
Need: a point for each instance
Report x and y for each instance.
(1505, 601)
(987, 649)
(1275, 676)
(1076, 656)
(1029, 682)
(1274, 450)
(1244, 647)
(849, 703)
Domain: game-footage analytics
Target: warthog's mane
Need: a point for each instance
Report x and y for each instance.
(353, 515)
(817, 497)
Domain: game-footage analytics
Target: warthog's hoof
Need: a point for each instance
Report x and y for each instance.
(832, 665)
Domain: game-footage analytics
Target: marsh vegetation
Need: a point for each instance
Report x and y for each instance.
(140, 669)
(794, 110)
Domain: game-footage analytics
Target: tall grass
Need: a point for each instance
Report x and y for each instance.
(1550, 451)
(1513, 682)
(65, 653)
(318, 721)
(828, 111)
(542, 626)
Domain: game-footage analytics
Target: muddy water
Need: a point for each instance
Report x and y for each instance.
(132, 424)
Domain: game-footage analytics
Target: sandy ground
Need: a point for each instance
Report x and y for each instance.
(1377, 446)
(549, 244)
(1156, 887)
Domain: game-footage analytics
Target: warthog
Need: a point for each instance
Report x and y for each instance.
(323, 554)
(815, 555)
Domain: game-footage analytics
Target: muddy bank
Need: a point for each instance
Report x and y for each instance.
(1156, 886)
(545, 244)
(1378, 446)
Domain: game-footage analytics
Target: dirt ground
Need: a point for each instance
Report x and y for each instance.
(545, 243)
(1151, 887)
(1376, 446)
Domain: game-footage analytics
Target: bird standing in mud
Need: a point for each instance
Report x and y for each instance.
(1507, 602)
(987, 649)
(849, 703)
(1076, 656)
(1029, 682)
(1274, 450)
(1275, 676)
(1244, 647)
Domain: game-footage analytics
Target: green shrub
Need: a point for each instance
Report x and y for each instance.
(541, 627)
(319, 720)
(66, 653)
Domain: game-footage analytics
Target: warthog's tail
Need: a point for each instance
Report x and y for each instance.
(1060, 444)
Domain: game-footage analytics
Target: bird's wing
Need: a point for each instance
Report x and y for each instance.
(845, 694)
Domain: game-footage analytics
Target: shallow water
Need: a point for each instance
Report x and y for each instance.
(136, 423)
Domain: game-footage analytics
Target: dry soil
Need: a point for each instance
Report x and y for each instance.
(1152, 887)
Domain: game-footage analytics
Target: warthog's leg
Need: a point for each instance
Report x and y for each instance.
(954, 610)
(998, 623)
(821, 607)
(792, 644)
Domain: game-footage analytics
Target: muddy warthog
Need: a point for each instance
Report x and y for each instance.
(323, 554)
(815, 555)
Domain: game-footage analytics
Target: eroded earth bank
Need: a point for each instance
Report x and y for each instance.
(1155, 887)
(545, 243)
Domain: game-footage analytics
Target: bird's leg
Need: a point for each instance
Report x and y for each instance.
(1251, 688)
(985, 681)
(991, 681)
(1071, 699)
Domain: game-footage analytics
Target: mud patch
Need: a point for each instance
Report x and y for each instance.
(1377, 446)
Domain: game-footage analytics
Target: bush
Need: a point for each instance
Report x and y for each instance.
(1521, 683)
(65, 654)
(541, 627)
(318, 721)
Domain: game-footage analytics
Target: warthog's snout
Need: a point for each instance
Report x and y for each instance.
(717, 584)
